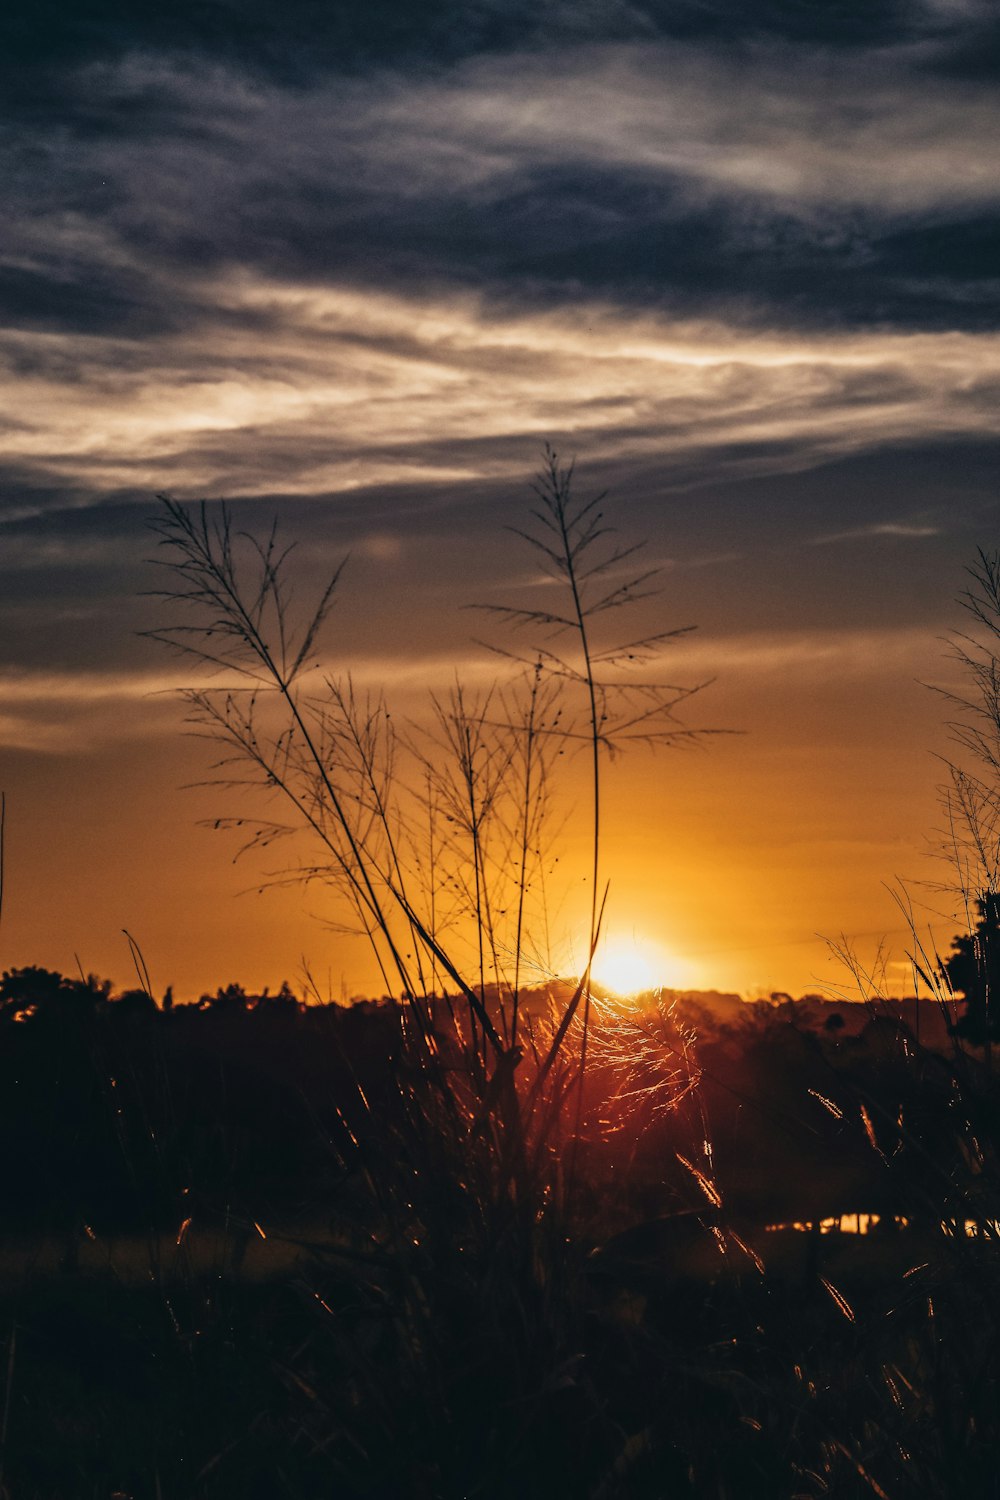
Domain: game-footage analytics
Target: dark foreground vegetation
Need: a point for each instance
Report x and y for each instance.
(245, 1256)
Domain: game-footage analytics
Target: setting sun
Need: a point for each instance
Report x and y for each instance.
(630, 965)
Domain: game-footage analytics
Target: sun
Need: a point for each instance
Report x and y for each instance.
(627, 966)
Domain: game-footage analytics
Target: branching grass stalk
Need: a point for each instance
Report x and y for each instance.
(376, 784)
(208, 571)
(555, 494)
(579, 553)
(458, 847)
(530, 739)
(210, 581)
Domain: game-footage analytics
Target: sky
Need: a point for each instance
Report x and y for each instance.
(354, 265)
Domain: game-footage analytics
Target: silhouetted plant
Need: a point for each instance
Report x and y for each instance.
(972, 970)
(463, 1238)
(580, 553)
(971, 801)
(463, 838)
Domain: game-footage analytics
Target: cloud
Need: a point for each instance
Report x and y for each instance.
(62, 713)
(381, 547)
(809, 655)
(766, 182)
(905, 530)
(85, 687)
(812, 128)
(353, 390)
(66, 712)
(703, 261)
(296, 43)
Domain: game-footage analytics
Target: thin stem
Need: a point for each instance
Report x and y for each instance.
(526, 806)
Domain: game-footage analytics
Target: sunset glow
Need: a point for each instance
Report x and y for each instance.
(628, 966)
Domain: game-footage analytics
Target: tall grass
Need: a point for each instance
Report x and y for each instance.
(427, 836)
(459, 1192)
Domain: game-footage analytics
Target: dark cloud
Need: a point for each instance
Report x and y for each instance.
(94, 300)
(302, 37)
(742, 259)
(826, 193)
(336, 257)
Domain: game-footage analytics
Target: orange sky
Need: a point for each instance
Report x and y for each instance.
(737, 857)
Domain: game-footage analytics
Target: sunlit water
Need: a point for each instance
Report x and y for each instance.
(987, 1229)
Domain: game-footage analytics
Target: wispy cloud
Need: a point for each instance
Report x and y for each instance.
(770, 181)
(411, 275)
(904, 530)
(66, 712)
(358, 389)
(833, 654)
(809, 127)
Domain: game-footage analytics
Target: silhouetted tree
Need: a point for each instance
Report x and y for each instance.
(135, 1003)
(47, 994)
(228, 998)
(973, 971)
(24, 991)
(284, 1001)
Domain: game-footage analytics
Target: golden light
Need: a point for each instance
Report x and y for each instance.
(628, 966)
